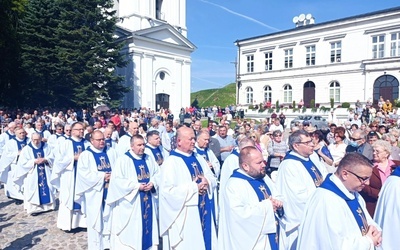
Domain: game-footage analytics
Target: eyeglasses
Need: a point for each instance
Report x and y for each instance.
(308, 143)
(277, 135)
(355, 139)
(102, 139)
(67, 130)
(361, 179)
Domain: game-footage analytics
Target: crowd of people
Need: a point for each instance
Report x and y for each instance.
(144, 179)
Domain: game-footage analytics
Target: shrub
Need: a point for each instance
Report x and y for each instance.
(332, 103)
(345, 105)
(304, 109)
(312, 103)
(251, 106)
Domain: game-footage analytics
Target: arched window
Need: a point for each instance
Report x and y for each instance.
(267, 94)
(249, 95)
(334, 91)
(287, 93)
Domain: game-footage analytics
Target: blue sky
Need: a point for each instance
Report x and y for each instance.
(214, 26)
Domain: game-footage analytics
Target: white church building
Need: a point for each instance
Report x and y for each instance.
(349, 59)
(158, 52)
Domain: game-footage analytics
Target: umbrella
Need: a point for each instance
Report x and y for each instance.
(102, 108)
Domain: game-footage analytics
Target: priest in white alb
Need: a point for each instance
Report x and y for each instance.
(34, 169)
(131, 197)
(299, 175)
(186, 189)
(336, 216)
(63, 177)
(8, 164)
(387, 213)
(249, 219)
(92, 181)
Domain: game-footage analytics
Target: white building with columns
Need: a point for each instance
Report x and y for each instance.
(158, 52)
(349, 59)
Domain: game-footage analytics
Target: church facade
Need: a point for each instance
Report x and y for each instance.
(349, 59)
(158, 53)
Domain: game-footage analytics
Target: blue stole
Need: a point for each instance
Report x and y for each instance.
(315, 174)
(396, 172)
(20, 144)
(78, 147)
(108, 143)
(103, 165)
(58, 136)
(41, 133)
(263, 192)
(10, 136)
(203, 152)
(44, 192)
(354, 206)
(235, 152)
(205, 204)
(143, 176)
(157, 154)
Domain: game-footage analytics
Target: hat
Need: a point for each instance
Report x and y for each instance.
(306, 123)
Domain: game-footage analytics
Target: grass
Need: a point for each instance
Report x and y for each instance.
(220, 97)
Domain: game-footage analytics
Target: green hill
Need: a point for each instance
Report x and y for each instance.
(220, 97)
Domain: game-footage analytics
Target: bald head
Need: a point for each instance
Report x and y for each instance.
(133, 128)
(185, 139)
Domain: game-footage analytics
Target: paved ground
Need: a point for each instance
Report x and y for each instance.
(21, 231)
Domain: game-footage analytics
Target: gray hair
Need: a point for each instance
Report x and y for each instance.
(295, 137)
(384, 144)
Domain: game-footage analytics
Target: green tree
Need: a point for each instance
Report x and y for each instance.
(39, 79)
(10, 12)
(88, 52)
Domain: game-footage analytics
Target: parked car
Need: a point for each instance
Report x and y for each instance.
(315, 120)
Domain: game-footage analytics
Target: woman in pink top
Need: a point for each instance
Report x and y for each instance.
(383, 167)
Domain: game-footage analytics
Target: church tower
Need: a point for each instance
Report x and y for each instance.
(158, 52)
(141, 14)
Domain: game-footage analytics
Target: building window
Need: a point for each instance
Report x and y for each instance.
(287, 93)
(334, 91)
(249, 95)
(378, 46)
(250, 63)
(336, 52)
(395, 44)
(288, 58)
(310, 55)
(268, 61)
(267, 94)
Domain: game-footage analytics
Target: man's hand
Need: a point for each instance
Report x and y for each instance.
(142, 186)
(107, 177)
(203, 185)
(40, 161)
(76, 156)
(148, 186)
(276, 204)
(375, 235)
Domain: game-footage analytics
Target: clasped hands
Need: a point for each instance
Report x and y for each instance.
(375, 235)
(203, 185)
(146, 186)
(39, 161)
